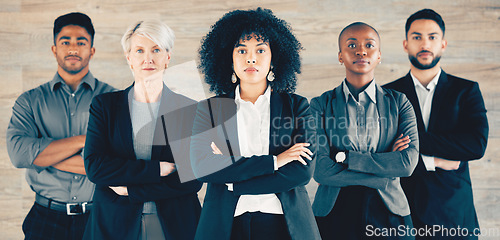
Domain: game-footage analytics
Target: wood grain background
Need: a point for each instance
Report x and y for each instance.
(473, 52)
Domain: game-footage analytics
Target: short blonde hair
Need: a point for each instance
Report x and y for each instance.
(155, 30)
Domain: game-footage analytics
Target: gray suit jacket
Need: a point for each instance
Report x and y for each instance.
(380, 170)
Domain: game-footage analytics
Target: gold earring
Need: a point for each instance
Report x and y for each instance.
(132, 67)
(270, 76)
(233, 78)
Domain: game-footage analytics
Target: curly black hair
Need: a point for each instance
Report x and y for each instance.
(216, 51)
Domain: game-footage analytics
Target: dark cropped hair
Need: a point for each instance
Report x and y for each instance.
(425, 14)
(216, 51)
(74, 18)
(358, 24)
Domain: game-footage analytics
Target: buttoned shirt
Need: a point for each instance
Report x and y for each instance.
(425, 96)
(143, 117)
(363, 127)
(253, 121)
(51, 112)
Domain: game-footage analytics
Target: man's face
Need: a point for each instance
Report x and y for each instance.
(424, 44)
(73, 49)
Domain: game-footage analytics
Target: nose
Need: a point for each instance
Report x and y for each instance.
(73, 52)
(251, 58)
(148, 59)
(361, 51)
(425, 44)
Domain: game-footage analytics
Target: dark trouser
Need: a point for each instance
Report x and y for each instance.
(151, 227)
(259, 226)
(360, 213)
(43, 223)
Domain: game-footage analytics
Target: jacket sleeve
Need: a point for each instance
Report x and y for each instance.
(169, 187)
(469, 139)
(24, 141)
(102, 165)
(216, 168)
(392, 164)
(328, 171)
(293, 174)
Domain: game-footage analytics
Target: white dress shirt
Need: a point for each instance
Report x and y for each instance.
(253, 122)
(425, 96)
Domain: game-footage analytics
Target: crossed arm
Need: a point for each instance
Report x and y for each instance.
(372, 170)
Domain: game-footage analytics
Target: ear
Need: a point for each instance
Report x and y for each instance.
(340, 57)
(444, 44)
(405, 45)
(54, 49)
(92, 52)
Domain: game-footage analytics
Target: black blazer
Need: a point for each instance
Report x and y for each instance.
(291, 122)
(110, 161)
(457, 130)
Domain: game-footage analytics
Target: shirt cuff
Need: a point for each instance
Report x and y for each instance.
(229, 187)
(275, 160)
(429, 163)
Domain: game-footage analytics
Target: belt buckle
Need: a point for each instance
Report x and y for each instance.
(75, 208)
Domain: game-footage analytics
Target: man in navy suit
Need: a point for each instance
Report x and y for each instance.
(453, 130)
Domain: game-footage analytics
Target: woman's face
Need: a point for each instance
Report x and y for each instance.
(360, 50)
(252, 60)
(146, 58)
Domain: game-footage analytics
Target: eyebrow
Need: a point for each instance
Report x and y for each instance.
(243, 45)
(417, 33)
(68, 38)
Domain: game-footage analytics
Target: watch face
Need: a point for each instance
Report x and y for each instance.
(340, 156)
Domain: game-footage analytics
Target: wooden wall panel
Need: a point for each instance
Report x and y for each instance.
(26, 61)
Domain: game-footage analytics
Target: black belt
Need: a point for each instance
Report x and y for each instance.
(68, 208)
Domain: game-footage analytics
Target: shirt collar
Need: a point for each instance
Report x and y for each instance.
(370, 91)
(432, 84)
(88, 79)
(266, 96)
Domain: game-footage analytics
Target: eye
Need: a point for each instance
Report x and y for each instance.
(369, 45)
(432, 37)
(261, 51)
(81, 44)
(351, 45)
(64, 43)
(156, 50)
(241, 51)
(139, 51)
(417, 37)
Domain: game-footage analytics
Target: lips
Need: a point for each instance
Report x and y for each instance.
(424, 54)
(73, 58)
(251, 69)
(148, 69)
(361, 61)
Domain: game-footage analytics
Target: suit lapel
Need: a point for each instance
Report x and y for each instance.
(386, 125)
(411, 94)
(160, 142)
(276, 110)
(339, 112)
(438, 99)
(124, 122)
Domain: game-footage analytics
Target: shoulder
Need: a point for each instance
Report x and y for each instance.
(396, 84)
(102, 87)
(34, 95)
(461, 82)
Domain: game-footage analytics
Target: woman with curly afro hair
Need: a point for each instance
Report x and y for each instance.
(254, 142)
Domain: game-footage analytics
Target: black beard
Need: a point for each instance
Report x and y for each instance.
(414, 61)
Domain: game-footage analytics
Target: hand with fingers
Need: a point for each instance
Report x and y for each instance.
(122, 190)
(295, 153)
(401, 143)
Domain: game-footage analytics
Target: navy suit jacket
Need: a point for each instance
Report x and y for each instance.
(291, 122)
(457, 130)
(110, 160)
